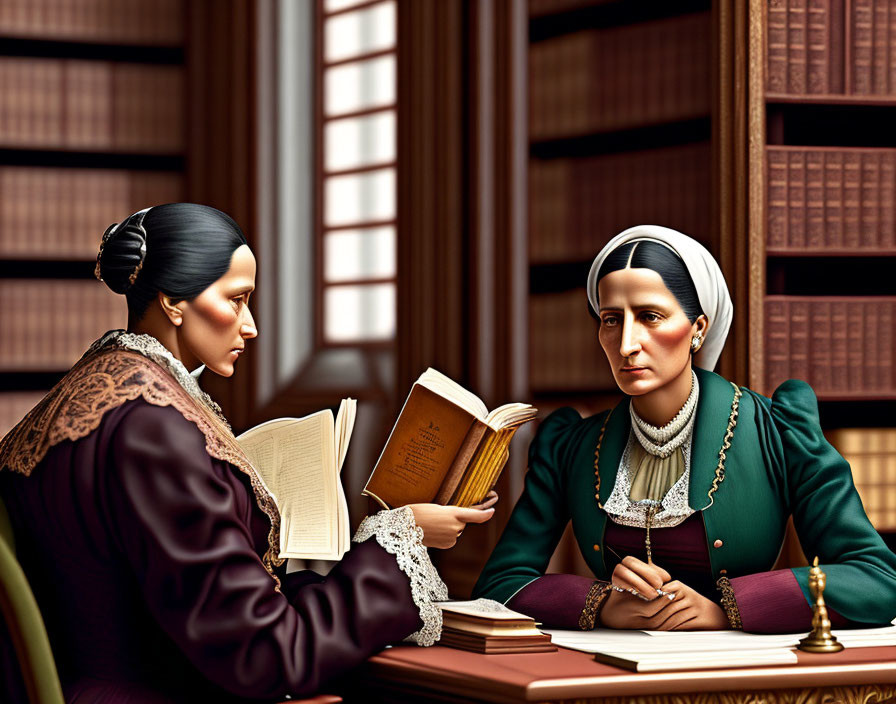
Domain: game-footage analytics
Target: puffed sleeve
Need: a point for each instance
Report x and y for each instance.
(829, 520)
(518, 562)
(177, 518)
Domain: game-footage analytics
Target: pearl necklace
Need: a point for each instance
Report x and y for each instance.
(662, 442)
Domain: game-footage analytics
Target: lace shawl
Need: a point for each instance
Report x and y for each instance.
(117, 368)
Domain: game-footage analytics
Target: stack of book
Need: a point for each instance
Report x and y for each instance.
(486, 626)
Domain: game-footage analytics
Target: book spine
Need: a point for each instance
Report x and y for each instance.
(869, 200)
(777, 198)
(799, 339)
(855, 345)
(818, 47)
(820, 360)
(776, 38)
(462, 462)
(887, 192)
(797, 30)
(815, 225)
(796, 198)
(860, 46)
(833, 200)
(839, 347)
(777, 355)
(852, 178)
(880, 48)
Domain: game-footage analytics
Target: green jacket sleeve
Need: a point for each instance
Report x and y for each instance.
(539, 518)
(828, 514)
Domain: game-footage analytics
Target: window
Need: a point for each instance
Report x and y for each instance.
(356, 171)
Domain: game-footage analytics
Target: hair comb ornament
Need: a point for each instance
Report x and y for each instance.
(135, 224)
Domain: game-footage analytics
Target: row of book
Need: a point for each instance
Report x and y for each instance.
(871, 453)
(91, 105)
(831, 47)
(48, 323)
(61, 213)
(620, 77)
(14, 405)
(138, 22)
(829, 198)
(577, 205)
(843, 347)
(564, 353)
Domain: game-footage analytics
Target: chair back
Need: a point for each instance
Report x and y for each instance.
(24, 623)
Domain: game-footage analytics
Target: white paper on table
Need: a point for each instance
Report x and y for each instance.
(645, 642)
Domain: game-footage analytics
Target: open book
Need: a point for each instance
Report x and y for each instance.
(446, 447)
(299, 461)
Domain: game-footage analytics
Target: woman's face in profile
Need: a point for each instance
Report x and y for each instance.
(217, 323)
(643, 331)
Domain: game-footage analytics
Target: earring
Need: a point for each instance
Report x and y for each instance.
(177, 321)
(696, 342)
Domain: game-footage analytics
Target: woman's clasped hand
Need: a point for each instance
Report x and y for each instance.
(641, 606)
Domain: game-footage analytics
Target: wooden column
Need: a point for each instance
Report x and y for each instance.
(738, 135)
(221, 140)
(462, 274)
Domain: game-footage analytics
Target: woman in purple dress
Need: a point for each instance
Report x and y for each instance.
(146, 534)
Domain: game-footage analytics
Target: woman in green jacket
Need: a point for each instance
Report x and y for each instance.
(679, 496)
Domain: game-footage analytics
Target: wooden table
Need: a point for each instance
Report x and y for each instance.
(412, 674)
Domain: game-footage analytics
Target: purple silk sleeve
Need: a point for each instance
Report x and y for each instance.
(772, 602)
(186, 534)
(554, 600)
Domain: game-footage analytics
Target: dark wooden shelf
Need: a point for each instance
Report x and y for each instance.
(609, 14)
(62, 49)
(48, 268)
(614, 141)
(859, 275)
(29, 381)
(818, 124)
(557, 277)
(785, 98)
(847, 413)
(138, 161)
(811, 252)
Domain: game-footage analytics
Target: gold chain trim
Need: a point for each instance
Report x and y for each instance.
(729, 603)
(594, 602)
(600, 439)
(726, 445)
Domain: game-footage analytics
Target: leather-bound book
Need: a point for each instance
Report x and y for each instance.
(445, 446)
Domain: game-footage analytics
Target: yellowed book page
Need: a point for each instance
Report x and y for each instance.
(306, 483)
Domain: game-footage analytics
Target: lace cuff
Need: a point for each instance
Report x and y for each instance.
(398, 534)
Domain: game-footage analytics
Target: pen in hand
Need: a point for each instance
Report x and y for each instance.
(669, 595)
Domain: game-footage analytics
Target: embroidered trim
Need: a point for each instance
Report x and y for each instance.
(594, 603)
(675, 508)
(399, 535)
(108, 375)
(729, 603)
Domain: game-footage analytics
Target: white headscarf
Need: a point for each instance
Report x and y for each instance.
(705, 273)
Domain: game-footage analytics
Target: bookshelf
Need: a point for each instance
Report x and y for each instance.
(823, 232)
(93, 126)
(620, 105)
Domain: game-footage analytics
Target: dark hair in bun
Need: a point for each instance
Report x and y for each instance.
(187, 248)
(659, 258)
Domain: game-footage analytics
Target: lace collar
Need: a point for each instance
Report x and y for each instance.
(154, 350)
(675, 507)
